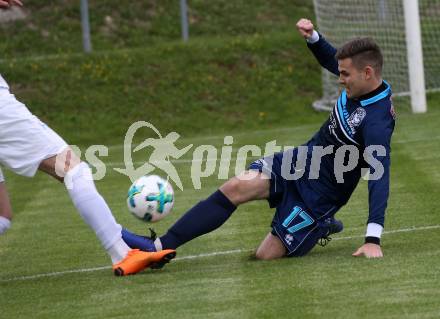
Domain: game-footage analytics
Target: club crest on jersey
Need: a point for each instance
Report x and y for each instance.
(356, 118)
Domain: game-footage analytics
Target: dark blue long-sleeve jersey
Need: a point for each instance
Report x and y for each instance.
(361, 122)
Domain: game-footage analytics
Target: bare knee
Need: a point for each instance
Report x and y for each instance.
(231, 189)
(264, 255)
(270, 248)
(57, 166)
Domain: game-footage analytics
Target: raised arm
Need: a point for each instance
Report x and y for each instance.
(323, 51)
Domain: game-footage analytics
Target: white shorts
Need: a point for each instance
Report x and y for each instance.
(25, 141)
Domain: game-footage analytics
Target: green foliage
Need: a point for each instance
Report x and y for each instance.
(53, 27)
(244, 66)
(228, 83)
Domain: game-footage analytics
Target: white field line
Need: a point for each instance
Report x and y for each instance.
(261, 132)
(395, 231)
(57, 273)
(218, 253)
(192, 139)
(234, 149)
(184, 161)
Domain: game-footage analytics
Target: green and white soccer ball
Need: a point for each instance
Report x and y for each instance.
(150, 198)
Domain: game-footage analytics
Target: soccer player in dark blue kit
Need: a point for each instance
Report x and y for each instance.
(354, 141)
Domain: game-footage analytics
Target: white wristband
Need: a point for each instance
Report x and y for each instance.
(374, 230)
(313, 38)
(5, 224)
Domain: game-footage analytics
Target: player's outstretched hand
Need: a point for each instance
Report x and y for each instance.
(4, 4)
(369, 250)
(305, 27)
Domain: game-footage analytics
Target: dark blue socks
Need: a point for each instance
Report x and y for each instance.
(203, 218)
(136, 241)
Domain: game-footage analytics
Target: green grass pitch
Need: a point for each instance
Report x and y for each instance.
(53, 267)
(246, 73)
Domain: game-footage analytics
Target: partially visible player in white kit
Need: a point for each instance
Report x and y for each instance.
(28, 145)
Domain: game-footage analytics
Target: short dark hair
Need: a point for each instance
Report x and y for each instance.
(363, 52)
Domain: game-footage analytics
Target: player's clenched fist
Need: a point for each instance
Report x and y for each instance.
(305, 27)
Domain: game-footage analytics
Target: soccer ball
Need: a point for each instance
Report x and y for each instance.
(150, 198)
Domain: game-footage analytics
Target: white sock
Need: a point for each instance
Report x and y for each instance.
(158, 244)
(5, 224)
(94, 210)
(118, 251)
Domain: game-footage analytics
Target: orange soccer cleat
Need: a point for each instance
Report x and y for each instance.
(137, 260)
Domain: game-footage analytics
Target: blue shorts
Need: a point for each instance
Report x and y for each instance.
(301, 213)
